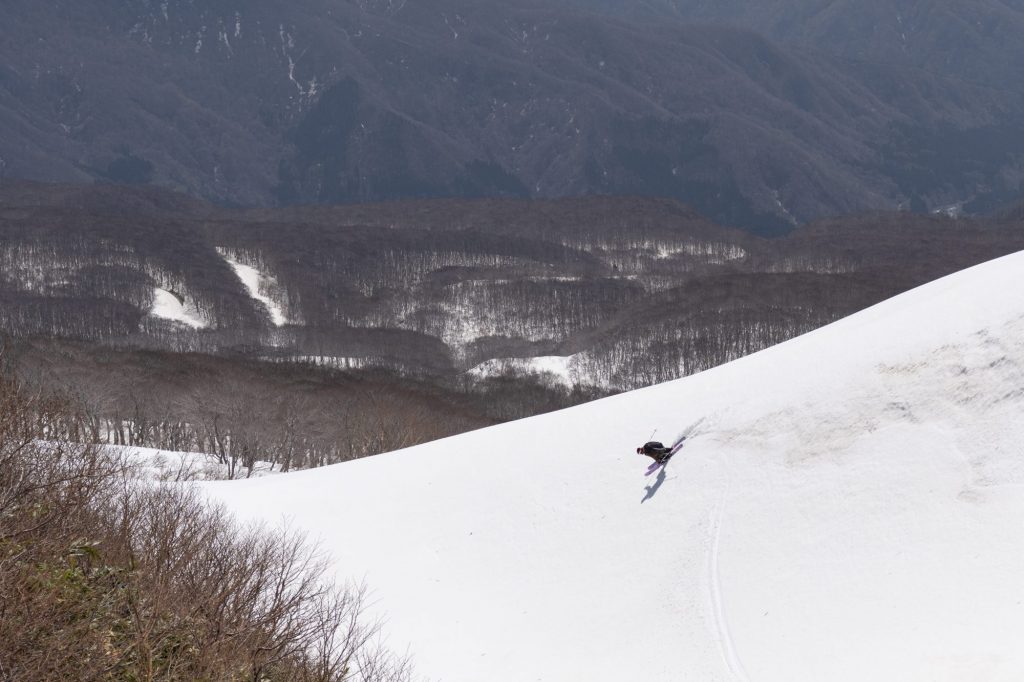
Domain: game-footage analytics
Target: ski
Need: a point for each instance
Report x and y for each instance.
(676, 446)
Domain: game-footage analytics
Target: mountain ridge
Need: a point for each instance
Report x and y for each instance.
(975, 40)
(333, 102)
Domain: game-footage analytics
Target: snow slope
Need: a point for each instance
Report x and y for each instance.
(850, 507)
(167, 306)
(251, 280)
(560, 368)
(167, 465)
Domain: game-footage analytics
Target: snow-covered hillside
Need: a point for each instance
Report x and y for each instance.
(255, 282)
(850, 507)
(168, 306)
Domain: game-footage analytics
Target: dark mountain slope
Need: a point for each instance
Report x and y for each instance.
(257, 103)
(974, 40)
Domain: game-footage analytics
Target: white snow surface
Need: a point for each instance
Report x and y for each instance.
(559, 367)
(849, 506)
(167, 306)
(168, 465)
(251, 278)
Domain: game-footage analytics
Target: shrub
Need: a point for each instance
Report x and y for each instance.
(104, 576)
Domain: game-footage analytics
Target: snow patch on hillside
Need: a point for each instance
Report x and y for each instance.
(164, 465)
(168, 306)
(337, 362)
(715, 253)
(561, 368)
(255, 283)
(950, 211)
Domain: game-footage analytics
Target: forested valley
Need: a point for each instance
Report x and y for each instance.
(307, 336)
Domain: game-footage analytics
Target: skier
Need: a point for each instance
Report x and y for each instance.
(656, 451)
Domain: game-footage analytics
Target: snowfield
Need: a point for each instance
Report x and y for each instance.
(165, 465)
(559, 368)
(168, 306)
(850, 506)
(252, 279)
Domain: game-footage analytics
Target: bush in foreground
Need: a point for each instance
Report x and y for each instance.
(105, 577)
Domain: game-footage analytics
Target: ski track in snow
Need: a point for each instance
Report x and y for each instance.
(726, 645)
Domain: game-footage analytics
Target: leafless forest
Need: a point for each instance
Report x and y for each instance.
(372, 316)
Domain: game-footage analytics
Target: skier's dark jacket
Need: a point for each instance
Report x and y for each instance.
(654, 450)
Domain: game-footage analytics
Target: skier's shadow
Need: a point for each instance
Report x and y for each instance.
(652, 489)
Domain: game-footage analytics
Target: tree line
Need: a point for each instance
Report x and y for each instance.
(247, 413)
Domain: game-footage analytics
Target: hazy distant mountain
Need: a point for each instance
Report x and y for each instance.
(261, 102)
(976, 40)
